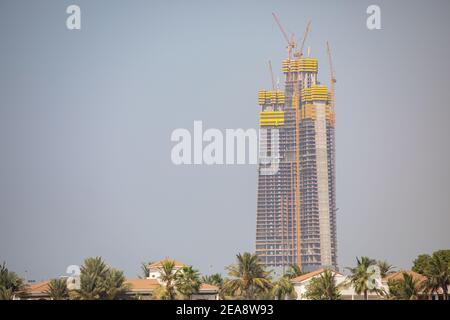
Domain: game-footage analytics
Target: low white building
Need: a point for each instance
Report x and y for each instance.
(346, 289)
(206, 291)
(155, 268)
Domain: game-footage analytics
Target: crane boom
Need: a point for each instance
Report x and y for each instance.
(332, 76)
(271, 75)
(281, 27)
(305, 35)
(290, 41)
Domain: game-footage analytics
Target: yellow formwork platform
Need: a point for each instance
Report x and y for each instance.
(271, 118)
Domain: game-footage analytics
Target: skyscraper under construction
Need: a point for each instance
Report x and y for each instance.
(296, 208)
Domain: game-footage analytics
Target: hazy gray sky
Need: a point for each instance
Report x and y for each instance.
(86, 118)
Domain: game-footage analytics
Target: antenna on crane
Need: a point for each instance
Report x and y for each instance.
(271, 75)
(291, 44)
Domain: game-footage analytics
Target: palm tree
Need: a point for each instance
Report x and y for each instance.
(248, 277)
(436, 268)
(438, 274)
(323, 287)
(411, 287)
(385, 268)
(168, 276)
(115, 286)
(145, 268)
(92, 279)
(406, 288)
(160, 293)
(187, 282)
(10, 283)
(360, 277)
(283, 289)
(214, 279)
(421, 264)
(57, 289)
(431, 286)
(294, 271)
(98, 281)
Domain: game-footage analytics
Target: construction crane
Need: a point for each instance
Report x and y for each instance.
(299, 51)
(271, 75)
(333, 110)
(291, 44)
(332, 78)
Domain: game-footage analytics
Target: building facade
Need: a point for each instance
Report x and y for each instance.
(296, 200)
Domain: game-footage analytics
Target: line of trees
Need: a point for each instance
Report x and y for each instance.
(246, 279)
(434, 268)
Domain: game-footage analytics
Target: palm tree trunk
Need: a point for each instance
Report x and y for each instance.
(365, 295)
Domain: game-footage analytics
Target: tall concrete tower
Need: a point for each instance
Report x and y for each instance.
(296, 207)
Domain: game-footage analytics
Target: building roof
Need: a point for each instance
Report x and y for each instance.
(36, 289)
(158, 264)
(39, 287)
(309, 275)
(140, 285)
(204, 287)
(414, 275)
(148, 285)
(135, 285)
(399, 276)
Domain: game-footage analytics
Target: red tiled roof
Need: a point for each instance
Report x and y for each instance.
(158, 264)
(37, 288)
(306, 276)
(399, 276)
(142, 284)
(208, 287)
